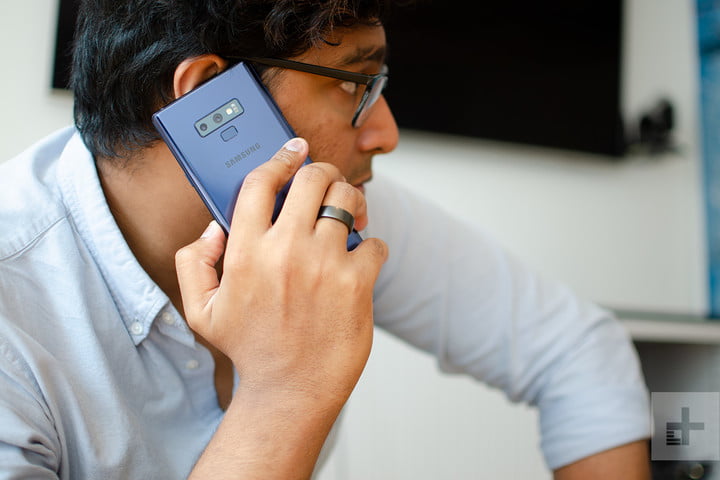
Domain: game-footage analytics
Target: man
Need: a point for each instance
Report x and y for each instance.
(131, 348)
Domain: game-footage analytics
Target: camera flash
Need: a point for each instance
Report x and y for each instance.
(229, 111)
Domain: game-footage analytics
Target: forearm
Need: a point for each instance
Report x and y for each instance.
(627, 461)
(268, 437)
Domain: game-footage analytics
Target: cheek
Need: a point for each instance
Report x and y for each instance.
(327, 144)
(329, 134)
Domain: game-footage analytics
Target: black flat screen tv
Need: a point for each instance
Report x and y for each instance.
(534, 72)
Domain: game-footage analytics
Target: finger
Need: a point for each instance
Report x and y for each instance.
(370, 255)
(198, 279)
(306, 194)
(344, 196)
(256, 199)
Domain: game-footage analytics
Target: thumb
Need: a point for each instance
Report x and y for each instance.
(197, 277)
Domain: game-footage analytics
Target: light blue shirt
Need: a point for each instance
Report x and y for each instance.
(101, 378)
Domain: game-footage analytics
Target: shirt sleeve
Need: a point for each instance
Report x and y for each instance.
(28, 441)
(450, 289)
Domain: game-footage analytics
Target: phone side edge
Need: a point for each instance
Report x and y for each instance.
(189, 173)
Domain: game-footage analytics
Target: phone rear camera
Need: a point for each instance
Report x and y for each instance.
(217, 118)
(203, 126)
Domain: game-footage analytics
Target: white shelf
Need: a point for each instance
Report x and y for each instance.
(670, 328)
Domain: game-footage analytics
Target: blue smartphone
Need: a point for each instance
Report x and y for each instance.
(222, 130)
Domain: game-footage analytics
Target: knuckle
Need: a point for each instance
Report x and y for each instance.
(284, 155)
(345, 193)
(313, 173)
(381, 249)
(184, 256)
(377, 249)
(255, 177)
(286, 159)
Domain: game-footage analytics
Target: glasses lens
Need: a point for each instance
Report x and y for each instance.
(373, 92)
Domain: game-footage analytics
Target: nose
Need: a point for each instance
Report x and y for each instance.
(379, 133)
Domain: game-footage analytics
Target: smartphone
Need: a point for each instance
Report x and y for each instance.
(222, 130)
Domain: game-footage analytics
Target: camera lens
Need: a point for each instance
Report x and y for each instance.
(217, 117)
(203, 126)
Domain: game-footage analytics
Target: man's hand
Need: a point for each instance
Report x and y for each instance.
(293, 311)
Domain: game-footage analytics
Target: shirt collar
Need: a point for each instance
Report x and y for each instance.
(137, 297)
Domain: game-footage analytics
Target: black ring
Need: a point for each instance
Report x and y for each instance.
(339, 214)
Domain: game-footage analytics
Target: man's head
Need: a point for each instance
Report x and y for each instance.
(127, 55)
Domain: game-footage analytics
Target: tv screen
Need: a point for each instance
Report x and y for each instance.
(534, 72)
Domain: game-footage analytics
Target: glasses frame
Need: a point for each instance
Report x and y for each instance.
(375, 84)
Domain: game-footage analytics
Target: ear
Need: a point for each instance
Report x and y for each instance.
(193, 71)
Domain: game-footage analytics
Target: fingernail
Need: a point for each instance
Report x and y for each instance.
(295, 144)
(209, 230)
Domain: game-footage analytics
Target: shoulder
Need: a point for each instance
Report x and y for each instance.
(30, 201)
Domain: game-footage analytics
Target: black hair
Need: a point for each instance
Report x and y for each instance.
(126, 51)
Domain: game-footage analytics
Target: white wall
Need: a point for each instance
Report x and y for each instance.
(30, 108)
(624, 233)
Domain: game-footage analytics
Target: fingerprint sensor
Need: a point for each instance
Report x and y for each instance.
(229, 133)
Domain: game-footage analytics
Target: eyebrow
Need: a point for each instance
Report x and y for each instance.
(364, 54)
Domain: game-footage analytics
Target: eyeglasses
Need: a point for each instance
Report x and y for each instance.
(374, 84)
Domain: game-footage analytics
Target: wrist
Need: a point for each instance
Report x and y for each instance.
(267, 435)
(286, 399)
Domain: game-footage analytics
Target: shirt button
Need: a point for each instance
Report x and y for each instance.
(192, 364)
(167, 318)
(136, 328)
